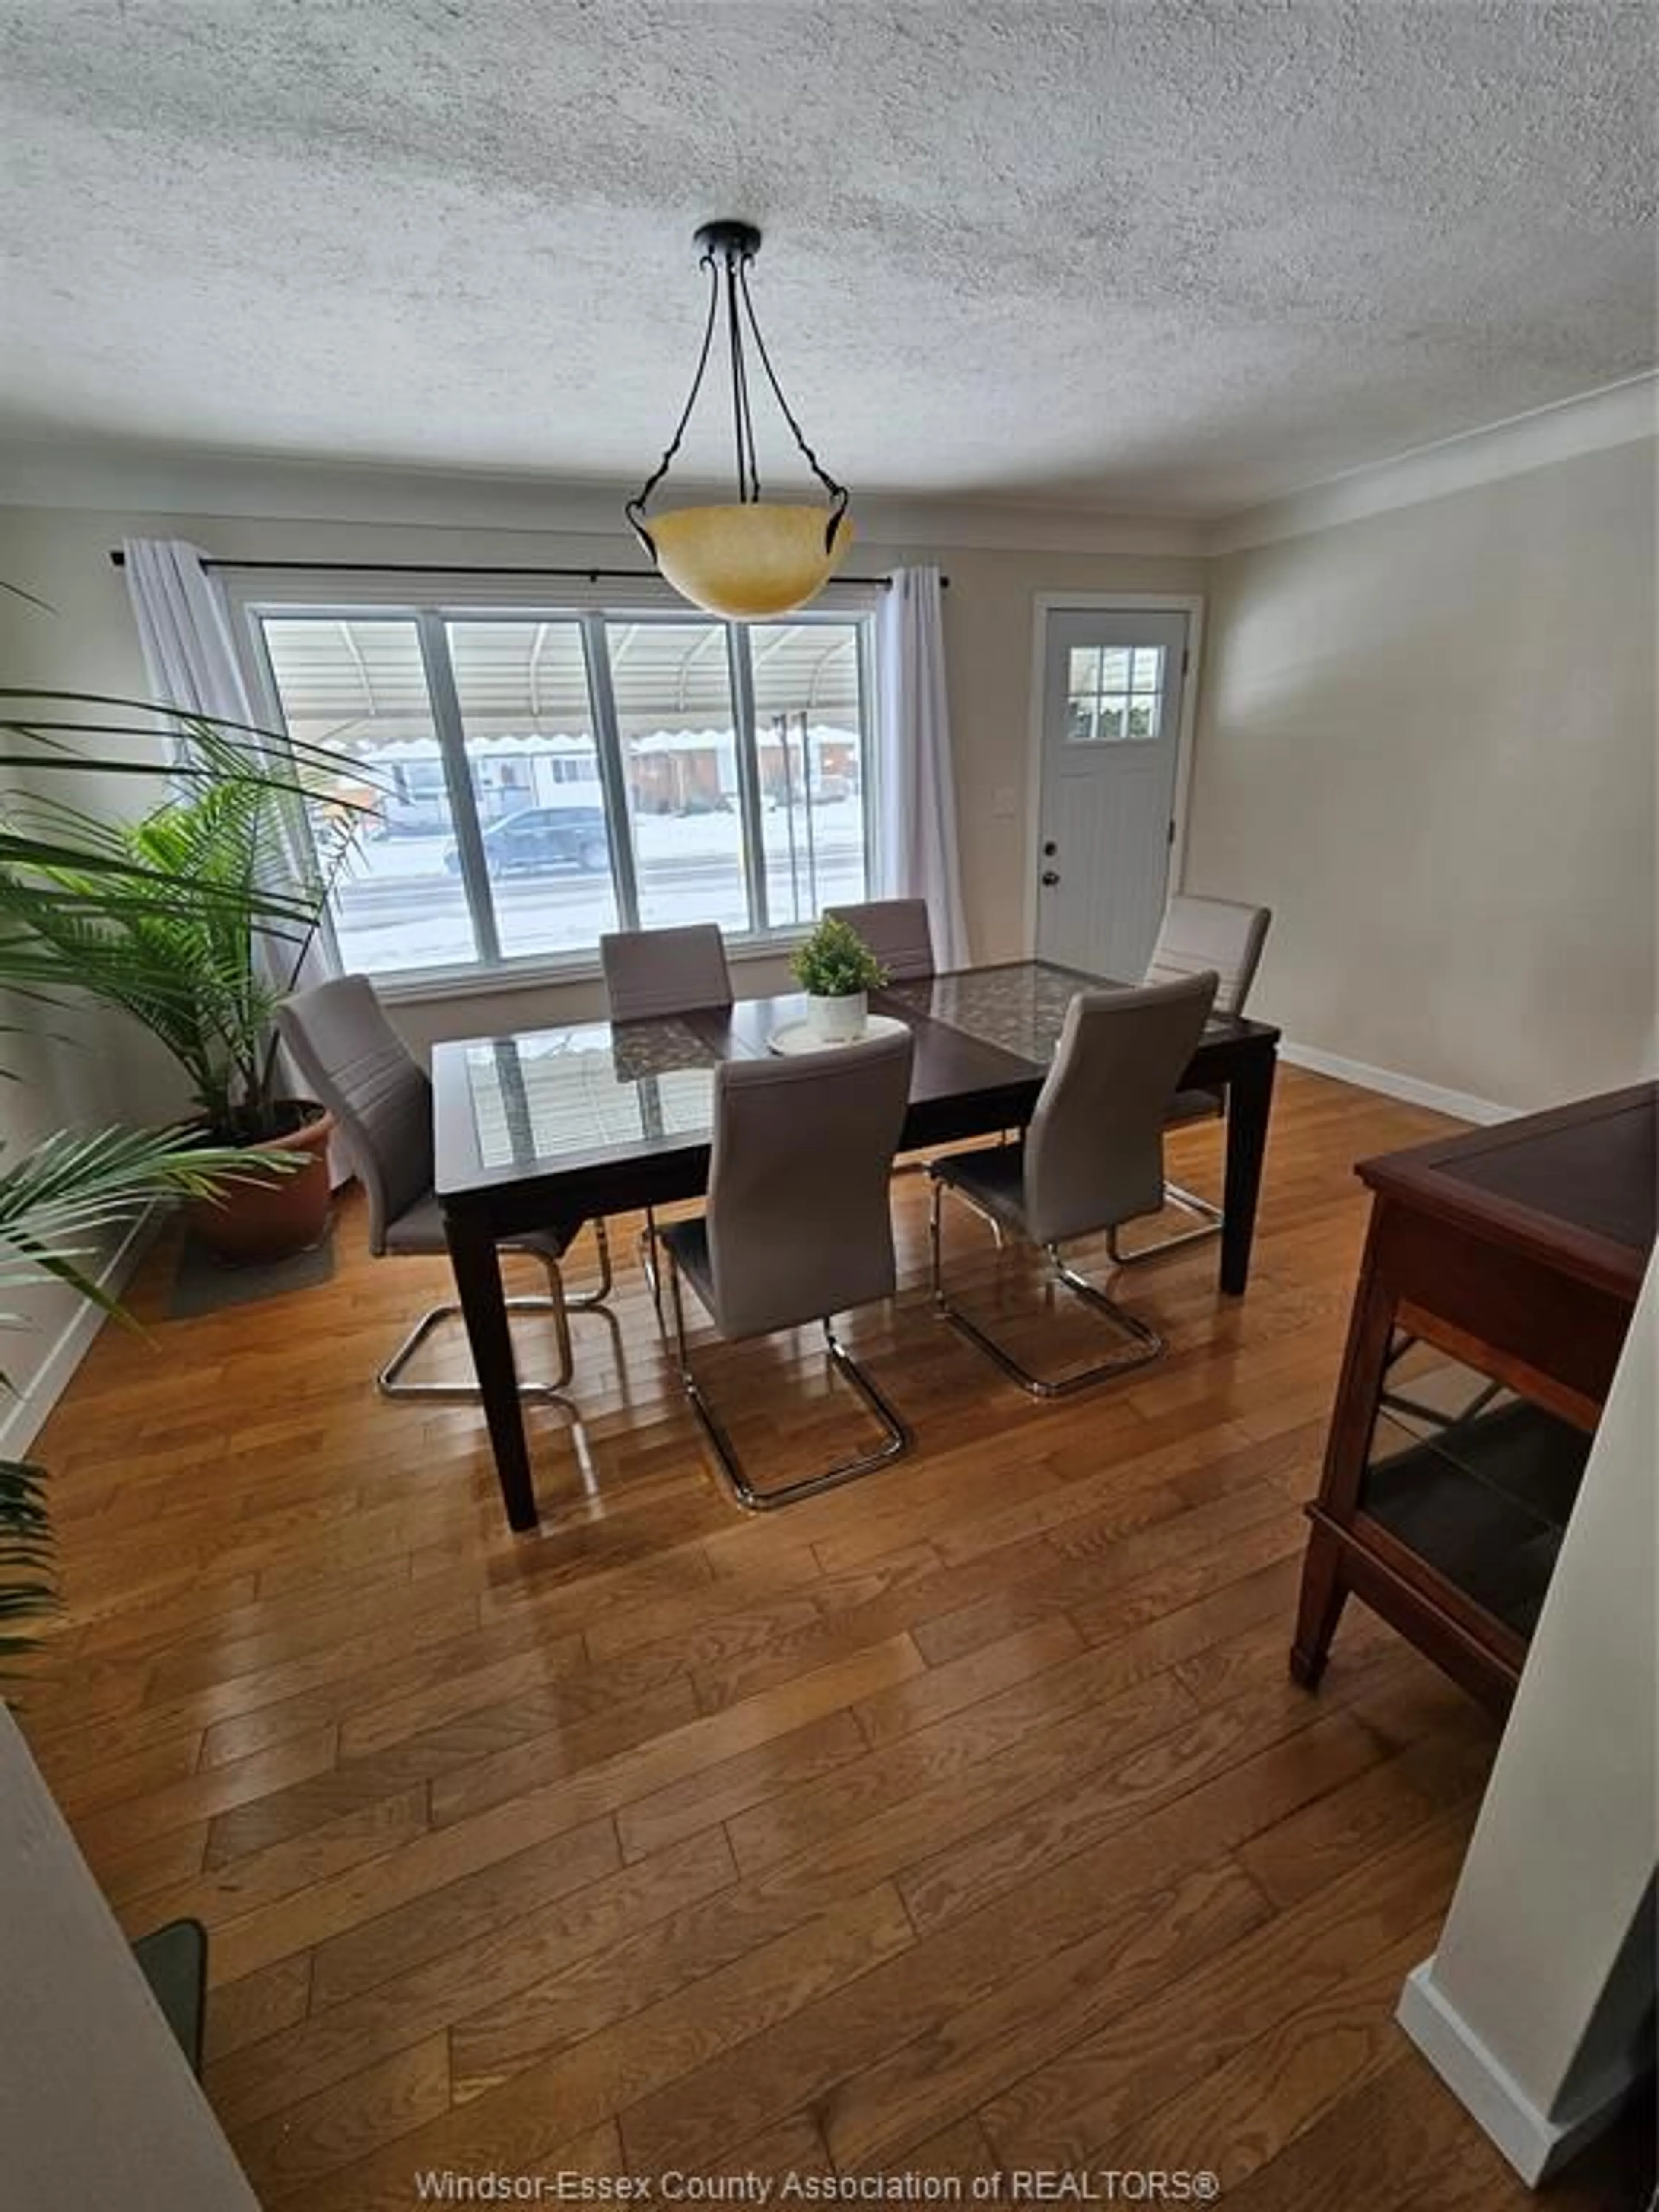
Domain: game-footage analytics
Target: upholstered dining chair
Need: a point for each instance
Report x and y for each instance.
(650, 974)
(381, 1100)
(896, 931)
(1092, 1158)
(653, 973)
(1198, 933)
(796, 1226)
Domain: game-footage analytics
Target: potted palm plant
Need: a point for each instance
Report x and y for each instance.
(837, 970)
(196, 919)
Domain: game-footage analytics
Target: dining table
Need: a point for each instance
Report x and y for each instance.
(584, 1119)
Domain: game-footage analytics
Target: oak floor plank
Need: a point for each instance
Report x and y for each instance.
(679, 1750)
(211, 1794)
(721, 1792)
(1238, 2118)
(1144, 1936)
(341, 2125)
(256, 2005)
(473, 1869)
(645, 2054)
(1070, 2107)
(409, 2171)
(238, 1898)
(563, 1744)
(335, 2042)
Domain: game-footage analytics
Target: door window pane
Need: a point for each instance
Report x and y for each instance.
(359, 688)
(1114, 693)
(535, 771)
(672, 682)
(810, 739)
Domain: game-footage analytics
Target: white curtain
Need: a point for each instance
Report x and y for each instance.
(184, 627)
(915, 843)
(190, 655)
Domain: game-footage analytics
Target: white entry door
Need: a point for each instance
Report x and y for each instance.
(1112, 684)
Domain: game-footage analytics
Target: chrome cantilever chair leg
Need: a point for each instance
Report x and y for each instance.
(648, 1261)
(388, 1382)
(1210, 1222)
(589, 1301)
(1144, 1344)
(896, 1437)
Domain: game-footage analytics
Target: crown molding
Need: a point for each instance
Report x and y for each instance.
(1618, 415)
(155, 482)
(150, 481)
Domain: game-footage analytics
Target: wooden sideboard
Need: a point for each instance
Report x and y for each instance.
(1500, 1272)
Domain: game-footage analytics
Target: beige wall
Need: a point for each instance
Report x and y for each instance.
(1426, 739)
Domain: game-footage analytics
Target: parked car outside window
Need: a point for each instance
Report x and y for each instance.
(539, 838)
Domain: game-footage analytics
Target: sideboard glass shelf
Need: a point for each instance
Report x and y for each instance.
(1473, 1479)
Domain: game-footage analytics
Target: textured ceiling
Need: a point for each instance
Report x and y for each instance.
(1150, 255)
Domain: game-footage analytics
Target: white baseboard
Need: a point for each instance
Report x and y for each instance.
(25, 1415)
(1535, 2144)
(1415, 1092)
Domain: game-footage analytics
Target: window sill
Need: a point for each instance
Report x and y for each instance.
(431, 985)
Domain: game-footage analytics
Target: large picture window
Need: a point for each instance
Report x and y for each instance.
(529, 781)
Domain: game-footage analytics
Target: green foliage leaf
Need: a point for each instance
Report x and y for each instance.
(836, 963)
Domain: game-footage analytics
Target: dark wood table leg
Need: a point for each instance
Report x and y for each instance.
(477, 1265)
(1249, 1102)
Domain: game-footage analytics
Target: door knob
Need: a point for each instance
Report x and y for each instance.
(1050, 876)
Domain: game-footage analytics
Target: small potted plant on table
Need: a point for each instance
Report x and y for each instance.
(837, 970)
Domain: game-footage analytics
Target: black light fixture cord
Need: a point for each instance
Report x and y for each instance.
(635, 509)
(736, 260)
(838, 493)
(748, 468)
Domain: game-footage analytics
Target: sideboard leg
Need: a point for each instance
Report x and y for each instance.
(1324, 1593)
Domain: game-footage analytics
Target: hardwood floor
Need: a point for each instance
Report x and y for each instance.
(963, 1817)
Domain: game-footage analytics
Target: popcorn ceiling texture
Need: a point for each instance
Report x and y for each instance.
(1150, 255)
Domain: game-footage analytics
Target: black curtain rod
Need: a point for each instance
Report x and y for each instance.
(461, 568)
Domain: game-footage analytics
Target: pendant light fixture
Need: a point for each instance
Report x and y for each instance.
(754, 558)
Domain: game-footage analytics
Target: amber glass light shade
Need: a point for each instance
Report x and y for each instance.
(747, 562)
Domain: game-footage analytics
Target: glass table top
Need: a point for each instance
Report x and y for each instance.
(550, 1092)
(574, 1099)
(1020, 1008)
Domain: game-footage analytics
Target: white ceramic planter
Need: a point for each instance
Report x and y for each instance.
(839, 1021)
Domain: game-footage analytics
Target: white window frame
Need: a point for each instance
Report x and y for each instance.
(257, 596)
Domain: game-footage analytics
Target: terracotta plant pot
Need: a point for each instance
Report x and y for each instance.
(251, 1223)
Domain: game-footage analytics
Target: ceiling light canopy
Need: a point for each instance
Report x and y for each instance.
(751, 558)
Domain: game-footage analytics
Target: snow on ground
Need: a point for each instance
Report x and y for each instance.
(690, 868)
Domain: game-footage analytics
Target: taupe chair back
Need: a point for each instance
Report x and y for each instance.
(798, 1218)
(377, 1092)
(1094, 1151)
(1219, 934)
(896, 931)
(649, 973)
